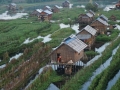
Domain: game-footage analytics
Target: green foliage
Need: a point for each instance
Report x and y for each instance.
(91, 53)
(92, 7)
(107, 74)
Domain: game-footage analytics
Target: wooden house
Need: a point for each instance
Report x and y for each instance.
(103, 17)
(56, 9)
(66, 3)
(45, 15)
(85, 19)
(117, 6)
(71, 50)
(87, 35)
(113, 18)
(100, 25)
(12, 7)
(36, 12)
(47, 8)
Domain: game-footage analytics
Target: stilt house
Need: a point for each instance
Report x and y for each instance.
(45, 15)
(12, 7)
(117, 6)
(56, 8)
(87, 35)
(100, 25)
(47, 8)
(71, 50)
(36, 12)
(66, 3)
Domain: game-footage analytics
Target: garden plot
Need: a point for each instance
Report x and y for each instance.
(100, 69)
(4, 16)
(113, 81)
(99, 50)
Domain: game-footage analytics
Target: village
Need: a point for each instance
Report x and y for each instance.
(65, 50)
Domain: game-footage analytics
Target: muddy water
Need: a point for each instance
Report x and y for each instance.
(99, 70)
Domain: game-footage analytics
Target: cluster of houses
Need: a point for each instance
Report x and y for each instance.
(45, 14)
(71, 50)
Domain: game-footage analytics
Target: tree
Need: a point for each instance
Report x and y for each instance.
(92, 7)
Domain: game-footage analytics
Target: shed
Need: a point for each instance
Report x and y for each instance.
(70, 50)
(36, 12)
(100, 25)
(87, 35)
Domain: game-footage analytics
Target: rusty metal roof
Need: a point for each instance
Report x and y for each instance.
(75, 44)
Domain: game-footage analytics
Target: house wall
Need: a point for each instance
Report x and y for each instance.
(101, 28)
(66, 54)
(78, 56)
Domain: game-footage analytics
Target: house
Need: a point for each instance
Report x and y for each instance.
(36, 12)
(45, 15)
(47, 8)
(103, 17)
(12, 7)
(100, 25)
(117, 6)
(91, 12)
(113, 18)
(71, 50)
(85, 19)
(87, 35)
(56, 8)
(66, 3)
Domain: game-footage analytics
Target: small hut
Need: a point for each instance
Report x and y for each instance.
(87, 35)
(117, 5)
(12, 7)
(66, 3)
(70, 51)
(113, 18)
(45, 15)
(100, 25)
(47, 8)
(56, 8)
(36, 12)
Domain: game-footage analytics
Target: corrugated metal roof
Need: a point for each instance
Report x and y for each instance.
(92, 12)
(58, 6)
(90, 30)
(83, 36)
(39, 10)
(104, 17)
(48, 7)
(13, 4)
(89, 14)
(75, 44)
(47, 11)
(102, 21)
